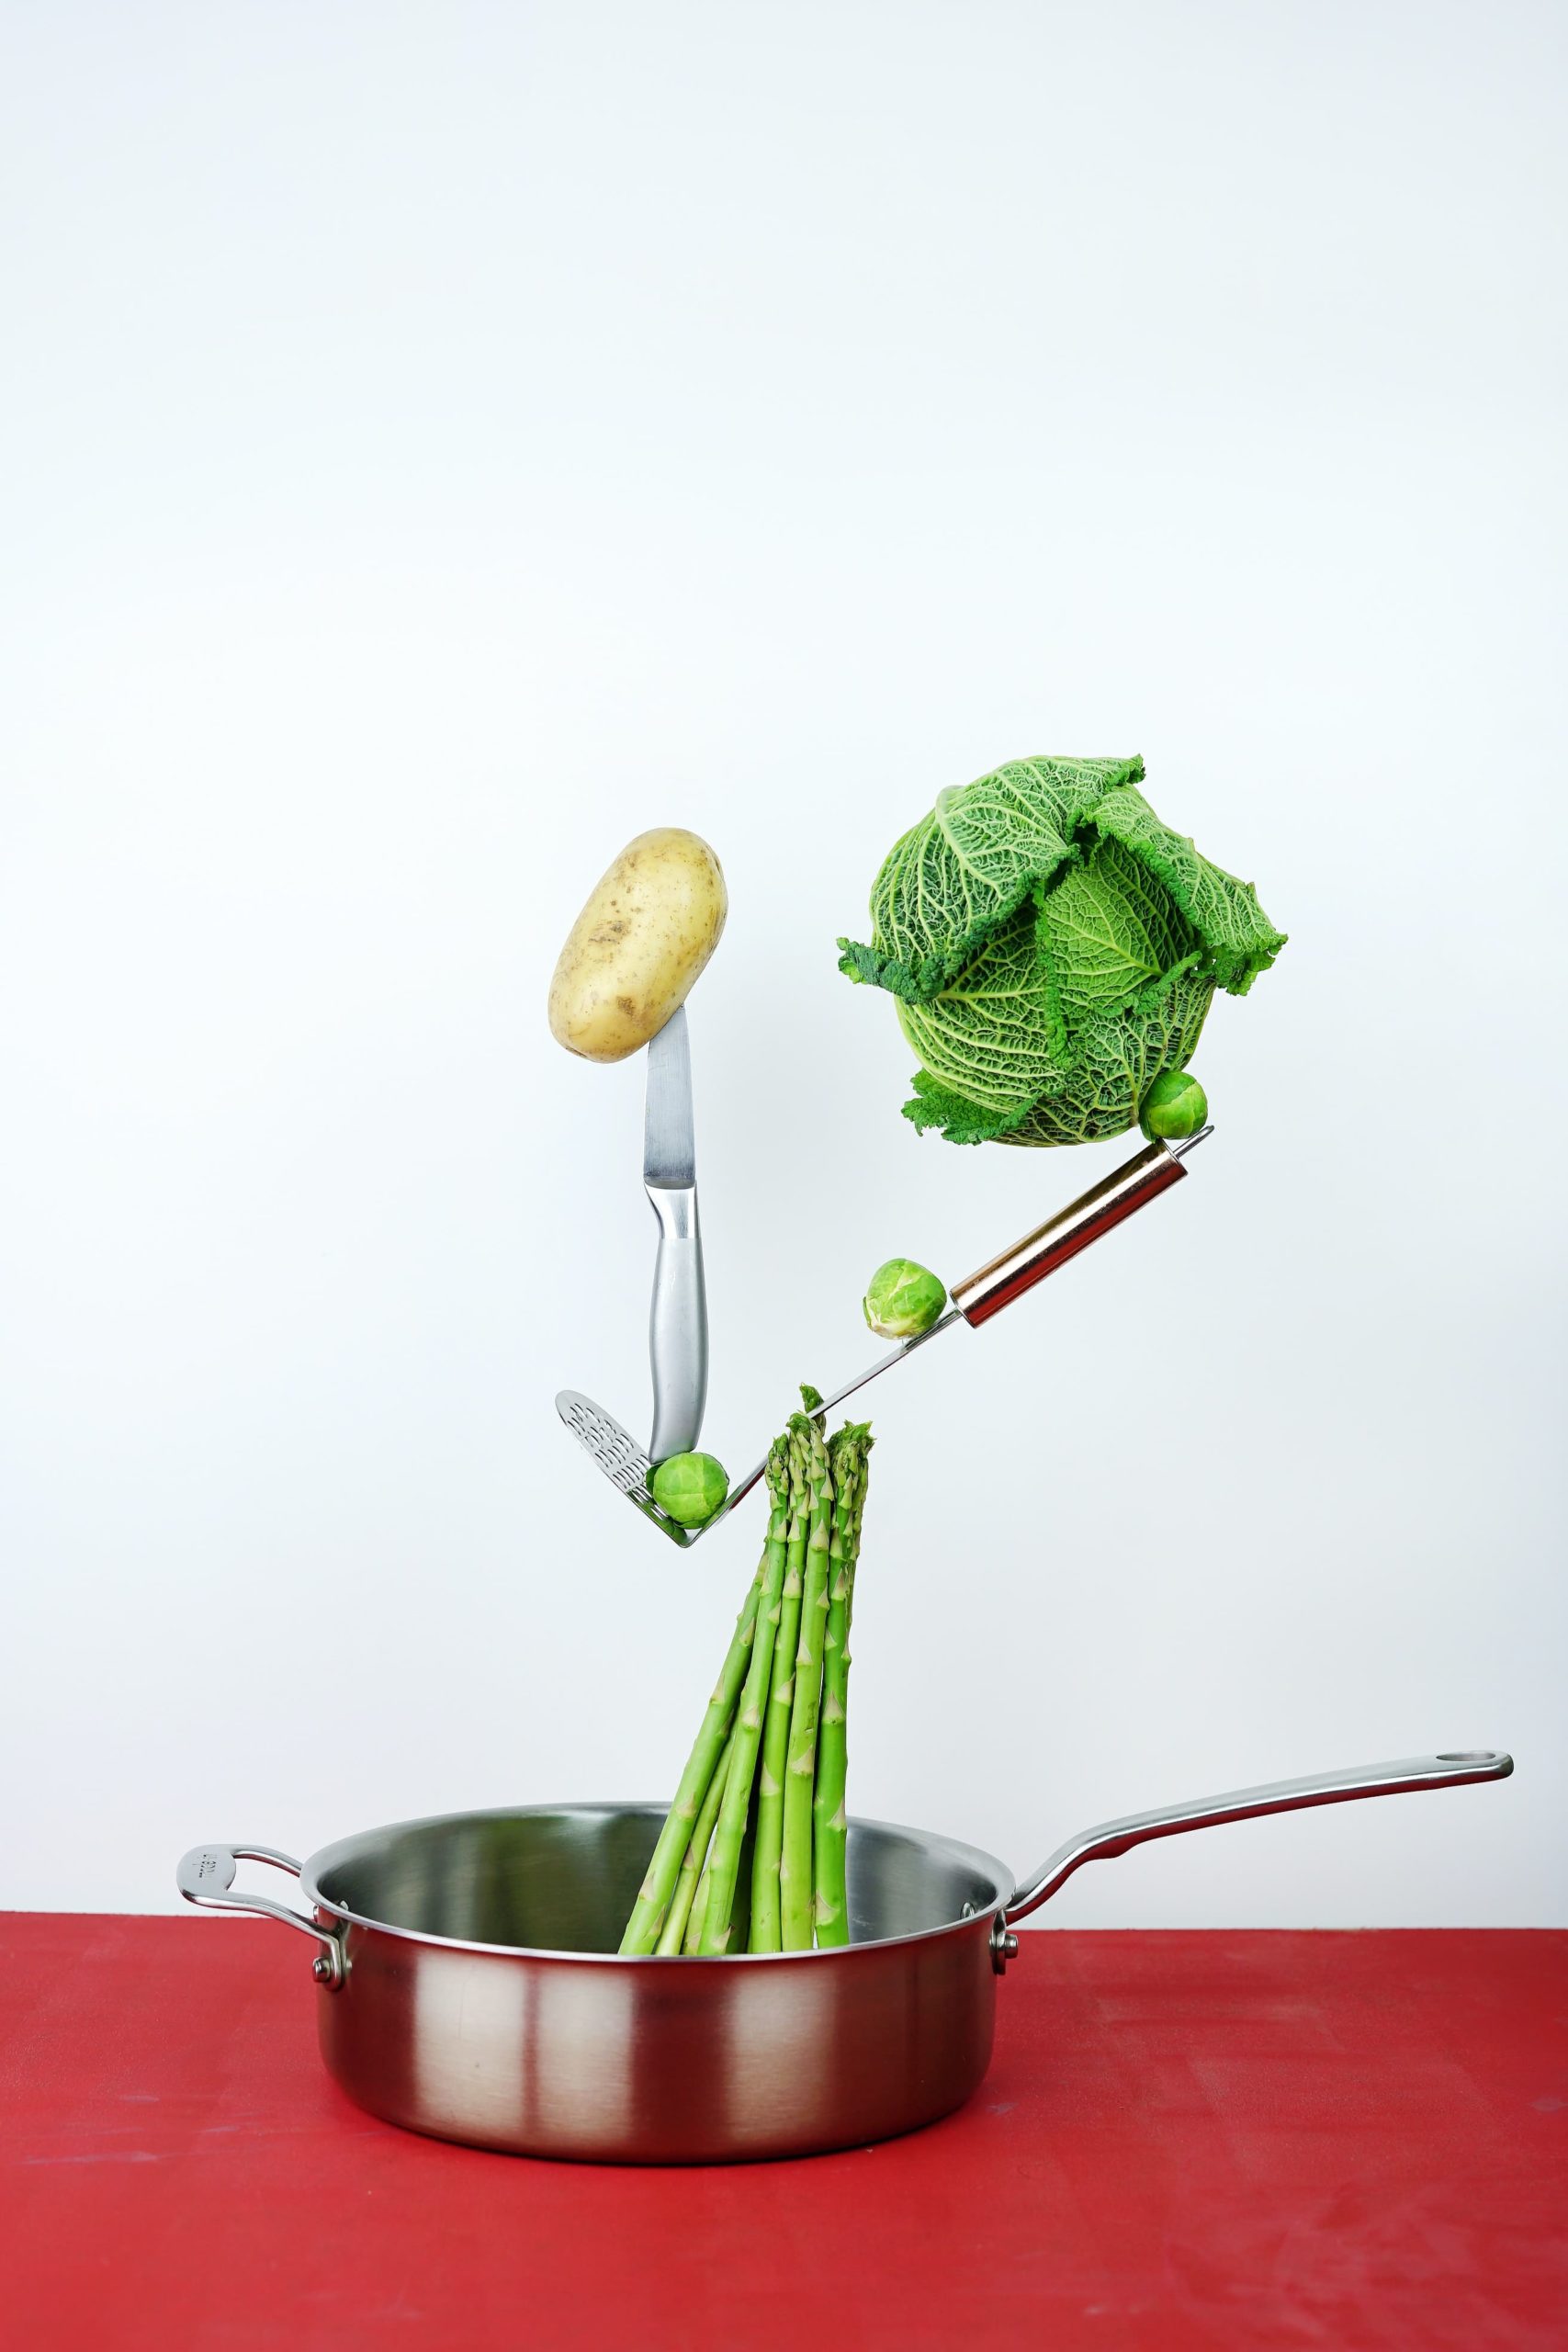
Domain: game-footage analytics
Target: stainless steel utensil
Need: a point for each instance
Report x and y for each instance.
(469, 1984)
(678, 1318)
(975, 1299)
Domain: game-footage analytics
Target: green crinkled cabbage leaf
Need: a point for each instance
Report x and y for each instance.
(1053, 947)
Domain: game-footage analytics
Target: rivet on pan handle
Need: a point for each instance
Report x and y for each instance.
(206, 1875)
(1456, 1768)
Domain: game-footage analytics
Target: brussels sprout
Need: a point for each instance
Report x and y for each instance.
(690, 1488)
(1175, 1105)
(903, 1299)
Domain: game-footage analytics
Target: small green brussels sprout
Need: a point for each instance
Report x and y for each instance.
(1175, 1105)
(690, 1488)
(902, 1299)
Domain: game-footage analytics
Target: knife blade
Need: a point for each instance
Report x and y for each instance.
(668, 1146)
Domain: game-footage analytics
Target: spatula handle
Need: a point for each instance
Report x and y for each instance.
(1116, 1197)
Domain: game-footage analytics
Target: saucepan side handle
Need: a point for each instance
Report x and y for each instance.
(206, 1875)
(1455, 1769)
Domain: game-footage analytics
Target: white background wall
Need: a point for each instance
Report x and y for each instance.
(441, 442)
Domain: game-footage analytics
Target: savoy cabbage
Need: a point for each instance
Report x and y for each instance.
(1052, 948)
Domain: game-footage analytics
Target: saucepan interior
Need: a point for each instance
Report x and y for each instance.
(563, 1878)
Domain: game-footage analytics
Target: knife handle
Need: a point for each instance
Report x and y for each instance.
(677, 1325)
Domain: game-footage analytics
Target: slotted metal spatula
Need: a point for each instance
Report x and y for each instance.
(975, 1299)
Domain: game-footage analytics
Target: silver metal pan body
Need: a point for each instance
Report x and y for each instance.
(481, 1998)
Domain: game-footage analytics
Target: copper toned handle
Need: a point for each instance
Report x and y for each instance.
(1137, 1181)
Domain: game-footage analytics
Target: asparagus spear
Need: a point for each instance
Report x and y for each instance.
(680, 1911)
(829, 1904)
(775, 1735)
(692, 1942)
(794, 1863)
(643, 1928)
(730, 1827)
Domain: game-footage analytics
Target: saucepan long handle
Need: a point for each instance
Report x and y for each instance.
(1454, 1768)
(206, 1875)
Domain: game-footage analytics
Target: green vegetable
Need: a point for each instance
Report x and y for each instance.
(1175, 1105)
(766, 1775)
(902, 1299)
(829, 1904)
(692, 1870)
(730, 1827)
(692, 1942)
(765, 1924)
(643, 1928)
(690, 1488)
(800, 1768)
(1053, 949)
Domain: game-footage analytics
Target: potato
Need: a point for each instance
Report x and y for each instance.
(639, 945)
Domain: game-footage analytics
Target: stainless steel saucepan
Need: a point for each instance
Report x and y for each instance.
(469, 1986)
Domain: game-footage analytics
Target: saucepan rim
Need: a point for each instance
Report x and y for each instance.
(345, 1849)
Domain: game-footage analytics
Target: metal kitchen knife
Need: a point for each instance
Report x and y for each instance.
(678, 1318)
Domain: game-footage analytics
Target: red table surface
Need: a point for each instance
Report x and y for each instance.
(1185, 2141)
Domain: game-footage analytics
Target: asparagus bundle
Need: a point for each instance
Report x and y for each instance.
(766, 1774)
